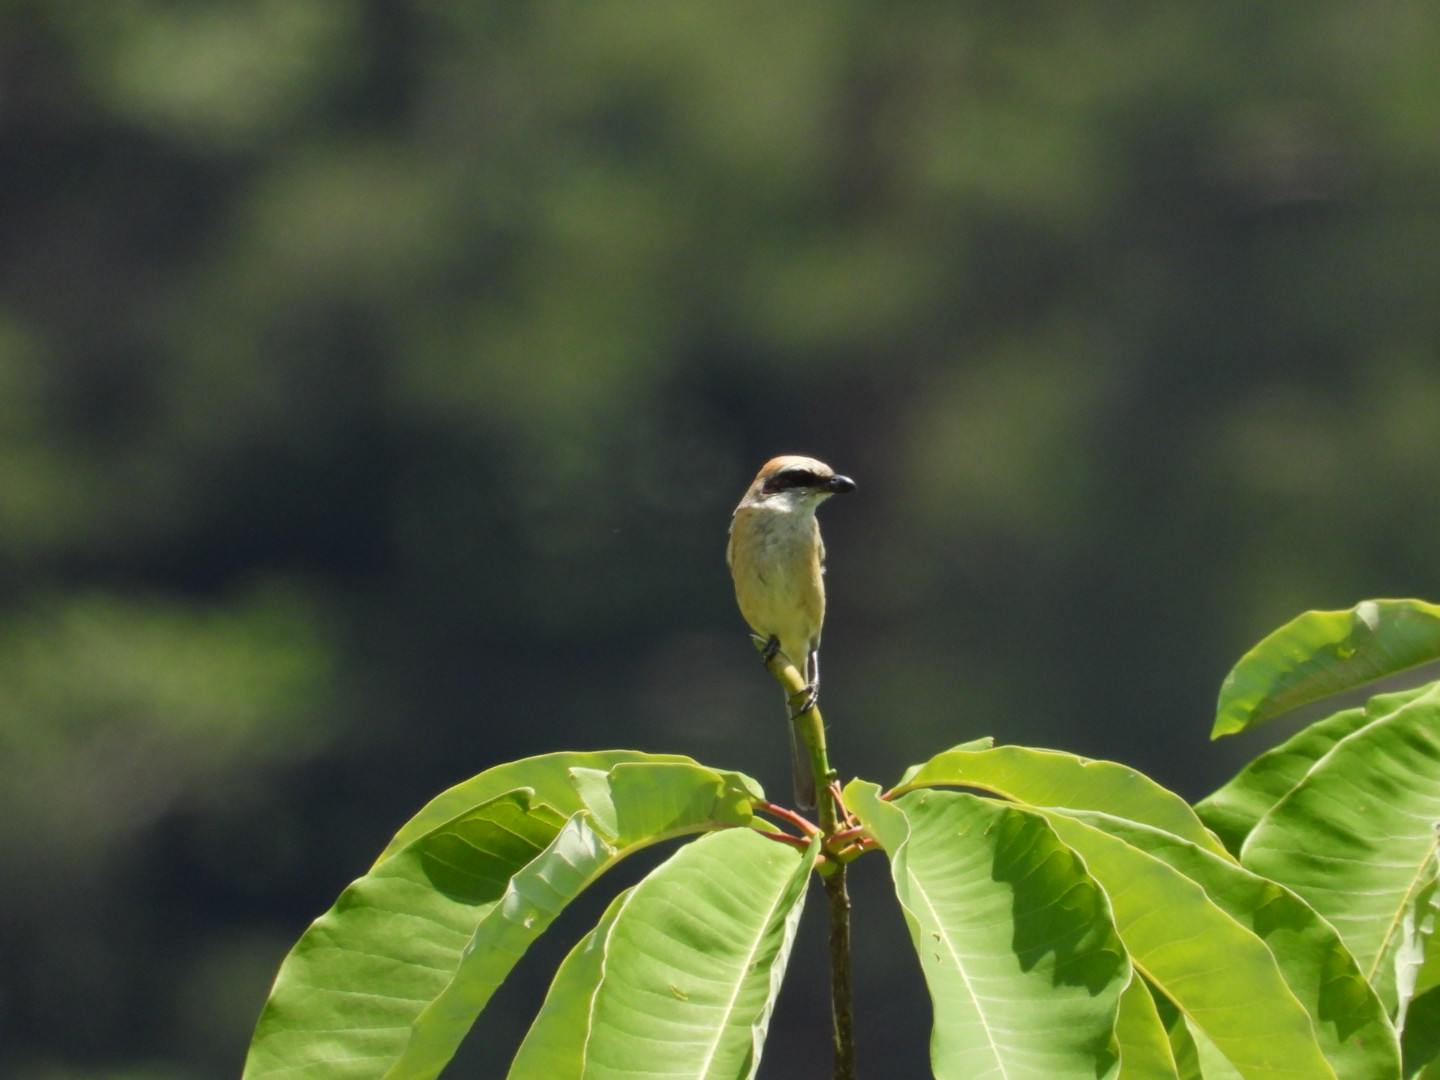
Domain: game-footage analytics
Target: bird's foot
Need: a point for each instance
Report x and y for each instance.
(812, 698)
(772, 646)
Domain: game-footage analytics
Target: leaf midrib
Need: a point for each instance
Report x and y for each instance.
(945, 938)
(730, 1007)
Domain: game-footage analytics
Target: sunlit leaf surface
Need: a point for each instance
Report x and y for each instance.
(1215, 970)
(1140, 1037)
(1356, 838)
(1051, 778)
(1349, 1020)
(680, 976)
(549, 775)
(1321, 653)
(388, 982)
(1232, 810)
(1014, 937)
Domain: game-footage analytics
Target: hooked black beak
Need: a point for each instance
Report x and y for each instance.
(839, 485)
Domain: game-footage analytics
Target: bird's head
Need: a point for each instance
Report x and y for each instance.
(792, 482)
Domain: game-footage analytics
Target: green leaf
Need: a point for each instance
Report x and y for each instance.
(1430, 973)
(680, 976)
(1416, 932)
(1232, 811)
(1014, 937)
(555, 1044)
(1044, 778)
(388, 982)
(1422, 1034)
(1181, 1036)
(349, 992)
(1222, 977)
(1350, 1022)
(985, 742)
(1357, 839)
(651, 801)
(1140, 1037)
(548, 775)
(1321, 653)
(1212, 1062)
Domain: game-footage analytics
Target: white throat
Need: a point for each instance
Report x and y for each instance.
(800, 501)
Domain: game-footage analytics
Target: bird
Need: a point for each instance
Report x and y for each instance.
(777, 560)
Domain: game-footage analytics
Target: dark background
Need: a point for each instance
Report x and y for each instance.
(377, 378)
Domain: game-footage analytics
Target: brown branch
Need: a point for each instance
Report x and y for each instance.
(785, 838)
(842, 1006)
(804, 824)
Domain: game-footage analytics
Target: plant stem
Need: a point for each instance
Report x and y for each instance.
(812, 731)
(784, 813)
(841, 998)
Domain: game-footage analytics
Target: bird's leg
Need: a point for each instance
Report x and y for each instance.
(771, 648)
(812, 684)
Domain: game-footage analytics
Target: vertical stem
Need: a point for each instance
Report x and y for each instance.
(812, 730)
(841, 998)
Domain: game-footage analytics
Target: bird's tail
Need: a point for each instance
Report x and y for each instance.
(804, 777)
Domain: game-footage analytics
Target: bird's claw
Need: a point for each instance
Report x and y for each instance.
(812, 698)
(772, 646)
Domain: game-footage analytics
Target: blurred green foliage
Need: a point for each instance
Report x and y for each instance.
(376, 378)
(116, 710)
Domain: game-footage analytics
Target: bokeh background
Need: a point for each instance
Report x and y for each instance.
(377, 377)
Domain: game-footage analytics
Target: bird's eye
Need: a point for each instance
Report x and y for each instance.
(791, 478)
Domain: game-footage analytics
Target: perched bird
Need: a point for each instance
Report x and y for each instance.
(777, 558)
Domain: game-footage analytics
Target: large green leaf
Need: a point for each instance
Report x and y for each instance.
(1232, 811)
(1052, 778)
(1221, 976)
(1014, 937)
(680, 976)
(1357, 840)
(548, 775)
(1321, 653)
(390, 979)
(1349, 1020)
